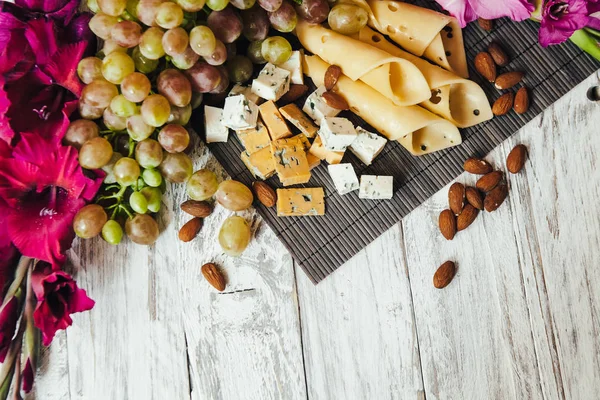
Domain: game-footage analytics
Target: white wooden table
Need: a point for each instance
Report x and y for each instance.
(521, 320)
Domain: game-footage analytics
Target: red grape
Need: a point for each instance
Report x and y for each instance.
(219, 56)
(256, 23)
(226, 24)
(313, 11)
(203, 77)
(174, 85)
(285, 18)
(270, 5)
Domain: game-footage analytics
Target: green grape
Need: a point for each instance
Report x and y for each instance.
(169, 15)
(109, 168)
(202, 185)
(135, 87)
(138, 203)
(99, 93)
(88, 112)
(95, 153)
(181, 115)
(203, 41)
(240, 69)
(217, 5)
(143, 64)
(234, 195)
(152, 177)
(185, 60)
(112, 232)
(153, 197)
(131, 8)
(285, 18)
(89, 69)
(102, 25)
(111, 46)
(149, 153)
(113, 121)
(112, 7)
(127, 34)
(347, 19)
(174, 138)
(89, 220)
(176, 167)
(191, 5)
(156, 110)
(254, 52)
(127, 171)
(142, 229)
(116, 66)
(79, 132)
(123, 107)
(151, 43)
(234, 236)
(270, 5)
(276, 50)
(196, 101)
(175, 41)
(137, 129)
(93, 6)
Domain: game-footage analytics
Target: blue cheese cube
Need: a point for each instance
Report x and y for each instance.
(294, 66)
(376, 187)
(239, 113)
(337, 133)
(246, 91)
(316, 108)
(344, 178)
(271, 83)
(213, 123)
(367, 145)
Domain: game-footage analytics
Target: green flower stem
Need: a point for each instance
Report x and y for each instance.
(586, 42)
(31, 341)
(20, 273)
(7, 368)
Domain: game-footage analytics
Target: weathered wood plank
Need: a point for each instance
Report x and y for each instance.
(52, 377)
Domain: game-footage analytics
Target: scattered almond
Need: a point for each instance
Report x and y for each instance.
(295, 92)
(486, 24)
(498, 54)
(466, 217)
(495, 198)
(477, 166)
(213, 276)
(509, 79)
(191, 228)
(332, 75)
(484, 64)
(489, 181)
(516, 159)
(504, 103)
(474, 198)
(456, 197)
(265, 194)
(195, 208)
(521, 101)
(336, 101)
(447, 223)
(444, 275)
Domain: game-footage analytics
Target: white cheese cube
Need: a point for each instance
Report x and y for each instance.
(337, 133)
(344, 178)
(316, 108)
(376, 187)
(271, 83)
(246, 91)
(213, 123)
(294, 66)
(367, 145)
(239, 113)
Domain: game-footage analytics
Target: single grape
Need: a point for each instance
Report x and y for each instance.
(112, 232)
(226, 25)
(185, 60)
(110, 167)
(347, 19)
(169, 15)
(137, 129)
(217, 5)
(112, 7)
(102, 25)
(234, 236)
(99, 93)
(79, 132)
(111, 46)
(234, 195)
(113, 121)
(131, 9)
(155, 110)
(149, 153)
(313, 11)
(276, 50)
(242, 4)
(127, 34)
(181, 115)
(95, 153)
(88, 112)
(89, 220)
(176, 167)
(223, 82)
(152, 177)
(89, 69)
(175, 41)
(202, 40)
(127, 171)
(146, 11)
(191, 5)
(116, 66)
(285, 18)
(256, 23)
(143, 64)
(203, 77)
(142, 229)
(202, 185)
(138, 203)
(240, 69)
(123, 107)
(254, 52)
(135, 87)
(151, 43)
(270, 5)
(93, 6)
(153, 197)
(196, 102)
(175, 87)
(219, 56)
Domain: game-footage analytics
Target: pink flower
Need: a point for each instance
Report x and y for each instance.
(469, 10)
(60, 10)
(561, 18)
(57, 298)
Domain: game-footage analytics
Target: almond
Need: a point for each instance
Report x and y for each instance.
(195, 208)
(486, 24)
(456, 197)
(474, 198)
(498, 54)
(191, 228)
(332, 75)
(521, 101)
(265, 194)
(295, 92)
(489, 181)
(213, 276)
(516, 159)
(509, 79)
(447, 223)
(495, 198)
(477, 166)
(444, 275)
(504, 103)
(336, 101)
(466, 217)
(484, 64)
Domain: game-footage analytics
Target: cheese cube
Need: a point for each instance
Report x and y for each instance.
(294, 66)
(239, 113)
(318, 150)
(367, 145)
(297, 140)
(271, 83)
(246, 91)
(291, 163)
(254, 139)
(337, 133)
(275, 123)
(213, 124)
(300, 202)
(313, 161)
(296, 117)
(261, 164)
(376, 187)
(344, 178)
(316, 108)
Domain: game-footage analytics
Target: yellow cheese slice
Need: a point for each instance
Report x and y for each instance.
(300, 202)
(417, 129)
(395, 78)
(457, 99)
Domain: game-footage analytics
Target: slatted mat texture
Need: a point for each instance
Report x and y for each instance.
(320, 245)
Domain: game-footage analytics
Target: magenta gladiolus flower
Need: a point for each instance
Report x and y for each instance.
(469, 10)
(561, 18)
(8, 323)
(59, 10)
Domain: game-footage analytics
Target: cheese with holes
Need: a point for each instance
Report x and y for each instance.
(300, 202)
(254, 139)
(261, 164)
(367, 145)
(291, 163)
(316, 108)
(337, 133)
(294, 66)
(344, 178)
(376, 187)
(271, 83)
(246, 91)
(296, 117)
(274, 121)
(318, 150)
(213, 124)
(239, 113)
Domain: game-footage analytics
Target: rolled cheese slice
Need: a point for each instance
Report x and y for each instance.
(415, 128)
(394, 77)
(457, 99)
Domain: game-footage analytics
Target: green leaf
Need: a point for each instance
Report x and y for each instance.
(586, 42)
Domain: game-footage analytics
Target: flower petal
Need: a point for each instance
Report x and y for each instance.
(459, 9)
(42, 39)
(8, 323)
(6, 131)
(62, 67)
(517, 10)
(28, 376)
(79, 30)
